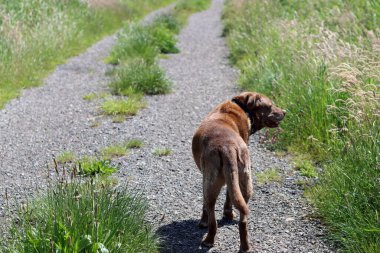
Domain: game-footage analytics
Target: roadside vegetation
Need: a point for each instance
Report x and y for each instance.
(37, 35)
(320, 60)
(84, 210)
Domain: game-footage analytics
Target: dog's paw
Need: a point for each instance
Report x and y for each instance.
(207, 243)
(247, 249)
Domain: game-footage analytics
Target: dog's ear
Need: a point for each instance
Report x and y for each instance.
(249, 99)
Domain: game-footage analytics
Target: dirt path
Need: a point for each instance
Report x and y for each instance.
(48, 120)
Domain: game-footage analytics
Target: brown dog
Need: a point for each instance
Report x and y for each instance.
(220, 151)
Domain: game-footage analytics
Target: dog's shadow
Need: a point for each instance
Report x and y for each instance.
(185, 236)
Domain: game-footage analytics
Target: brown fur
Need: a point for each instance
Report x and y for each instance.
(221, 153)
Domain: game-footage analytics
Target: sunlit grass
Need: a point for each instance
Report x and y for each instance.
(127, 107)
(327, 78)
(82, 216)
(37, 35)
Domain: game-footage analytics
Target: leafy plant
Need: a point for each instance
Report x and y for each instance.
(91, 166)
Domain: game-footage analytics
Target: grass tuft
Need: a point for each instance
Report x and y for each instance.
(113, 151)
(162, 152)
(82, 216)
(142, 77)
(127, 107)
(135, 143)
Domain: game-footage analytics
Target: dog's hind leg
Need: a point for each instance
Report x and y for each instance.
(228, 212)
(237, 174)
(211, 189)
(246, 188)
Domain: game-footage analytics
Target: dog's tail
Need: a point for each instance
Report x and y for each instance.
(230, 167)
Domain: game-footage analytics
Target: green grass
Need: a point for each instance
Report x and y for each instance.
(141, 77)
(268, 176)
(162, 152)
(127, 107)
(82, 216)
(327, 78)
(118, 150)
(113, 151)
(133, 42)
(305, 166)
(37, 35)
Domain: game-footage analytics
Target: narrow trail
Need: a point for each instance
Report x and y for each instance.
(50, 119)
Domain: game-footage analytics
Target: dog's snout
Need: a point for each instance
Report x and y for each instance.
(284, 112)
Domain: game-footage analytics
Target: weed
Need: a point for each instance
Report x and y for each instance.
(268, 176)
(162, 151)
(89, 166)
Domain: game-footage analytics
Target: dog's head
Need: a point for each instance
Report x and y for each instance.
(262, 110)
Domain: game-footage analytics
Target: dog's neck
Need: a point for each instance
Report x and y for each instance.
(252, 127)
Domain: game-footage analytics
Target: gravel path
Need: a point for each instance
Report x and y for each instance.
(50, 119)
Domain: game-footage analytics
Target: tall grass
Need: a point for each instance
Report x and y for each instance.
(321, 61)
(35, 35)
(87, 216)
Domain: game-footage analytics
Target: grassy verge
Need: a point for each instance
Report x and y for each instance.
(36, 35)
(320, 61)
